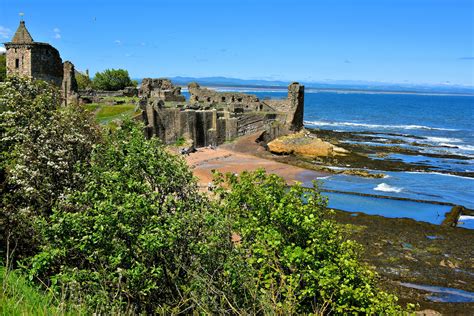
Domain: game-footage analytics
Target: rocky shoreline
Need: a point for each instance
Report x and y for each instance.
(369, 150)
(401, 250)
(406, 251)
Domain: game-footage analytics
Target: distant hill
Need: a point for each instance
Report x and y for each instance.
(336, 85)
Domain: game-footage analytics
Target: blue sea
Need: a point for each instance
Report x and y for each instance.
(445, 122)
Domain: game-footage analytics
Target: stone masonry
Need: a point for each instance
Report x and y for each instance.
(212, 118)
(27, 58)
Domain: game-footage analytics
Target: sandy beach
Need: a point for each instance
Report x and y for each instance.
(204, 160)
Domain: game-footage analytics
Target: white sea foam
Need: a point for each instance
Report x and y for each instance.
(387, 188)
(323, 178)
(422, 127)
(443, 140)
(466, 218)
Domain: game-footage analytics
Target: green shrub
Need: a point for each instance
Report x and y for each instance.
(112, 80)
(41, 143)
(83, 81)
(138, 237)
(300, 260)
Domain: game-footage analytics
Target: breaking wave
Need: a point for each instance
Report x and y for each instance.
(443, 140)
(387, 188)
(408, 127)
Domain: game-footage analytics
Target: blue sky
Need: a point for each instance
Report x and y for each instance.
(401, 41)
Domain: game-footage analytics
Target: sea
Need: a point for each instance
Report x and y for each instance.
(445, 122)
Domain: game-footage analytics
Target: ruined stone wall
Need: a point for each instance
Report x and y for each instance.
(98, 96)
(46, 64)
(169, 124)
(235, 101)
(18, 60)
(162, 89)
(69, 84)
(292, 108)
(213, 118)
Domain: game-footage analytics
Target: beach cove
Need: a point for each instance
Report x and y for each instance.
(401, 250)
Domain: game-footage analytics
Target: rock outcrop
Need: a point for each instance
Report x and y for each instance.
(304, 145)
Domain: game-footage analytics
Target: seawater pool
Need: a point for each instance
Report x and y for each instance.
(443, 294)
(413, 186)
(424, 212)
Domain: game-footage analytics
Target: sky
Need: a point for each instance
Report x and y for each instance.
(393, 41)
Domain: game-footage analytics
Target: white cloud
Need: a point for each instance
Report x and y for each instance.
(2, 50)
(5, 32)
(57, 33)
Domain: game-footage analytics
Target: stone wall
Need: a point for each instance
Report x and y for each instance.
(18, 60)
(162, 89)
(46, 64)
(27, 58)
(98, 96)
(291, 109)
(235, 102)
(69, 84)
(212, 118)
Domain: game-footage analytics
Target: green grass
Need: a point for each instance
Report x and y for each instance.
(19, 297)
(92, 106)
(110, 112)
(105, 113)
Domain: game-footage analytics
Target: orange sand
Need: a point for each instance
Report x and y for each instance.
(224, 160)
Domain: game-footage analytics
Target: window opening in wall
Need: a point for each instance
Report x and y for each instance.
(17, 63)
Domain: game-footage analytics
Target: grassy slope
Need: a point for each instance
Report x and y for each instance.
(18, 297)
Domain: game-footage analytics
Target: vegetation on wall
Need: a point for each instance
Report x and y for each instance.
(113, 223)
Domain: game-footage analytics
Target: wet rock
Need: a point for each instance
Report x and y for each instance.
(452, 217)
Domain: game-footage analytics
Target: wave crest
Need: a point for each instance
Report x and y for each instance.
(387, 188)
(408, 127)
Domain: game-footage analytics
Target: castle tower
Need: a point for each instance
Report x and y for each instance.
(296, 103)
(28, 58)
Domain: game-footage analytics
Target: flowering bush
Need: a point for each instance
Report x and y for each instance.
(41, 146)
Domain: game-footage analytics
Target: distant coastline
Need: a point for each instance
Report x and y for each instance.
(350, 87)
(256, 88)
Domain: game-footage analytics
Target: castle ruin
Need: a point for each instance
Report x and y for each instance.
(207, 118)
(211, 117)
(27, 58)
